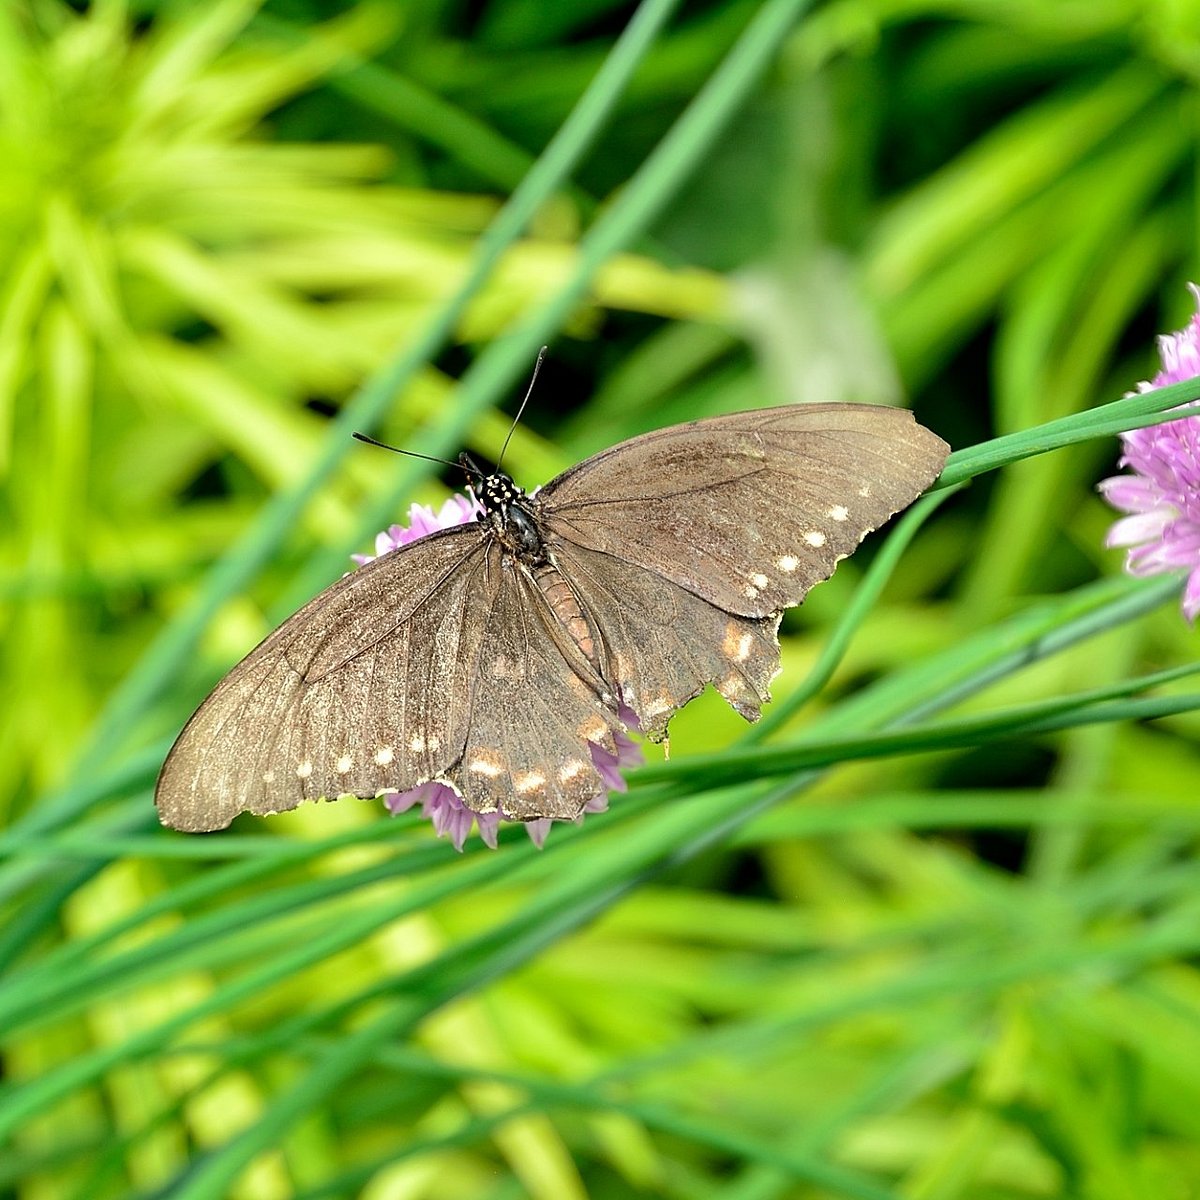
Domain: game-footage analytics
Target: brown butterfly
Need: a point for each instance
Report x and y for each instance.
(489, 656)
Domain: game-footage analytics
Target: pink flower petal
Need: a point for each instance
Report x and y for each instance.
(399, 802)
(1129, 531)
(1191, 595)
(538, 830)
(488, 825)
(1162, 495)
(1129, 492)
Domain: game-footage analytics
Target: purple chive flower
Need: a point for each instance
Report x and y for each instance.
(1162, 496)
(439, 802)
(423, 521)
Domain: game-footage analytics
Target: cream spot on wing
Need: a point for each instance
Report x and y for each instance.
(530, 781)
(658, 706)
(839, 512)
(304, 770)
(485, 766)
(433, 743)
(569, 770)
(417, 743)
(731, 686)
(787, 562)
(344, 764)
(383, 756)
(737, 643)
(760, 581)
(594, 729)
(750, 592)
(814, 537)
(268, 777)
(622, 667)
(865, 490)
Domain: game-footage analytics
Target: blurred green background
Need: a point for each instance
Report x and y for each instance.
(231, 232)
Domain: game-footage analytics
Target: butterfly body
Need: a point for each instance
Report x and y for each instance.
(513, 517)
(493, 656)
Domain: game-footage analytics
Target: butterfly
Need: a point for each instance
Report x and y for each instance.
(490, 656)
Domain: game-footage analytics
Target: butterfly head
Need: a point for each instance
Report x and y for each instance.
(496, 492)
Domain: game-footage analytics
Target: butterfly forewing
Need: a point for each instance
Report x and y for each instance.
(749, 510)
(365, 688)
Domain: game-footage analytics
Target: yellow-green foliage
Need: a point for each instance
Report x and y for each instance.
(930, 930)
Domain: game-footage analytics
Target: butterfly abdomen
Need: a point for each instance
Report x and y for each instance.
(565, 607)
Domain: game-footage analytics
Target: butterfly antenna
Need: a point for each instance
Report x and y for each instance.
(362, 437)
(537, 366)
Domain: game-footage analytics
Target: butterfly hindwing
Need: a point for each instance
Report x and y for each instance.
(660, 644)
(748, 510)
(536, 711)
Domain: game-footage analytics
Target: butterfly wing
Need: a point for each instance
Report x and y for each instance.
(443, 660)
(368, 687)
(747, 511)
(659, 644)
(685, 545)
(537, 708)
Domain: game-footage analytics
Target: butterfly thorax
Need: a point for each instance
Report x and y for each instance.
(513, 516)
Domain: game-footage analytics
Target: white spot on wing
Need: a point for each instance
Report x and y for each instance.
(569, 770)
(417, 743)
(731, 686)
(760, 581)
(433, 742)
(484, 766)
(814, 537)
(304, 770)
(787, 562)
(750, 592)
(268, 777)
(344, 764)
(737, 643)
(839, 512)
(530, 781)
(383, 756)
(865, 490)
(594, 729)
